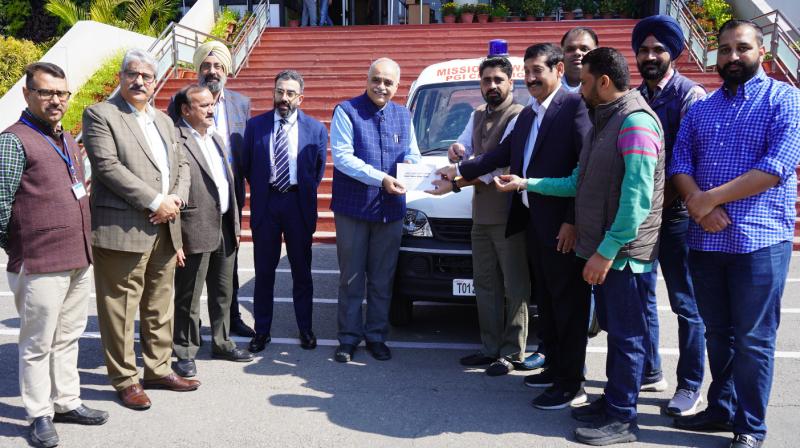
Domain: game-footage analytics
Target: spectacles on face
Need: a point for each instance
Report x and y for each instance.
(147, 78)
(290, 94)
(206, 66)
(48, 95)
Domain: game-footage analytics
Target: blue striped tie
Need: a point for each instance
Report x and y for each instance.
(281, 159)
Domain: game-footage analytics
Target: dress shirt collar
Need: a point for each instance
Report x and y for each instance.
(290, 120)
(651, 95)
(194, 132)
(569, 88)
(149, 115)
(540, 109)
(748, 88)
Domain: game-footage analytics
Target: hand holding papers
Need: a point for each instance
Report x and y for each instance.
(416, 176)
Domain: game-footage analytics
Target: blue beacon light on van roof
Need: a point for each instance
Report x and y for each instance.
(498, 47)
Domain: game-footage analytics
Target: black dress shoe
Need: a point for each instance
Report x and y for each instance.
(745, 441)
(379, 351)
(185, 368)
(476, 359)
(704, 422)
(235, 354)
(307, 340)
(82, 416)
(344, 353)
(259, 342)
(43, 432)
(239, 328)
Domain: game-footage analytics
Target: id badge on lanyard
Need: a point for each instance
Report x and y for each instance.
(78, 189)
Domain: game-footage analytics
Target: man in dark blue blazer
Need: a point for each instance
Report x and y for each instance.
(283, 160)
(545, 142)
(212, 61)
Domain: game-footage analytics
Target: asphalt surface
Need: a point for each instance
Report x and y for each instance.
(289, 397)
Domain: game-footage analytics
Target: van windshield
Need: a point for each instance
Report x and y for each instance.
(441, 111)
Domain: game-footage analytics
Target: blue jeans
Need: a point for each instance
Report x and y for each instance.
(309, 17)
(739, 298)
(674, 262)
(324, 18)
(621, 303)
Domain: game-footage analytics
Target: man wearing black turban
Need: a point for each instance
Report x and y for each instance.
(657, 41)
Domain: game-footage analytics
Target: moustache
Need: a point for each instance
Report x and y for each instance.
(734, 63)
(533, 84)
(137, 88)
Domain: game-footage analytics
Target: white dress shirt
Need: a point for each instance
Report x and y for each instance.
(221, 122)
(293, 135)
(541, 110)
(157, 147)
(215, 160)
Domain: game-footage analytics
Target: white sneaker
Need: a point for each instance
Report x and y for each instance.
(684, 403)
(657, 386)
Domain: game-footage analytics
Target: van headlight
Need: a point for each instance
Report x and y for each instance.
(416, 223)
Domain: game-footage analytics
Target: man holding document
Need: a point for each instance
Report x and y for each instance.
(499, 263)
(370, 135)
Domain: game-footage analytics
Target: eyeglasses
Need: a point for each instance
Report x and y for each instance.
(147, 78)
(47, 95)
(290, 94)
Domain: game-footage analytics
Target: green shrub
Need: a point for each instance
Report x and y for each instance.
(14, 14)
(466, 8)
(483, 8)
(500, 10)
(449, 9)
(226, 16)
(96, 89)
(15, 54)
(719, 11)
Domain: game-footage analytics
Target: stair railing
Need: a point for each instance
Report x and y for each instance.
(779, 36)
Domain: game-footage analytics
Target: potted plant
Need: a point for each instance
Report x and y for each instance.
(606, 8)
(589, 9)
(499, 12)
(533, 9)
(625, 8)
(551, 9)
(292, 18)
(482, 11)
(766, 64)
(568, 7)
(449, 12)
(467, 12)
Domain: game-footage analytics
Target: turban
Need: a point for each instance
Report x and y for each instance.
(664, 28)
(218, 49)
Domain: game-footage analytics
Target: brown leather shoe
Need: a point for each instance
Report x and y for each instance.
(134, 397)
(172, 382)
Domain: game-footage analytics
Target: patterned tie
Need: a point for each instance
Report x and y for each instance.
(281, 159)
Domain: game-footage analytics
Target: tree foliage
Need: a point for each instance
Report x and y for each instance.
(142, 16)
(15, 54)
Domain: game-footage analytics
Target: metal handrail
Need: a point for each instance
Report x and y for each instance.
(785, 56)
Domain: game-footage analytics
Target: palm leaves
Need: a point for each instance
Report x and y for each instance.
(143, 16)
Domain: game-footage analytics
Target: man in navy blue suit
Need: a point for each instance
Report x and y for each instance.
(283, 160)
(545, 141)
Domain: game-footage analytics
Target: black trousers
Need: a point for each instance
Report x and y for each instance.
(563, 299)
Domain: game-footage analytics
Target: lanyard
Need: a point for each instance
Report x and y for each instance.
(65, 157)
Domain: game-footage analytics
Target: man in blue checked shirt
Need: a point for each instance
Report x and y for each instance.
(734, 164)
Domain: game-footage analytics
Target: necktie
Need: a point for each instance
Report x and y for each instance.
(529, 144)
(281, 159)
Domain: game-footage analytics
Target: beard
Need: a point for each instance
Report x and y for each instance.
(493, 98)
(653, 70)
(215, 83)
(285, 108)
(737, 78)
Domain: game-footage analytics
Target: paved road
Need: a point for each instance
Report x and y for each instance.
(290, 397)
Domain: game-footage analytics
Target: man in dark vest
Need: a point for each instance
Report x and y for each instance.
(657, 41)
(619, 188)
(499, 264)
(45, 228)
(370, 135)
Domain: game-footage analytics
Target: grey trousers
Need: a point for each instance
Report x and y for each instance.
(502, 289)
(215, 270)
(367, 253)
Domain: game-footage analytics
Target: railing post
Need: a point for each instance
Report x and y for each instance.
(174, 54)
(773, 45)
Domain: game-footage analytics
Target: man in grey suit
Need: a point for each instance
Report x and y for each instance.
(140, 180)
(210, 229)
(212, 60)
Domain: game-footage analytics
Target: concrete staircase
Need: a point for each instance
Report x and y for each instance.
(334, 63)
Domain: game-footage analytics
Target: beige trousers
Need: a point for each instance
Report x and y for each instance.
(126, 282)
(52, 311)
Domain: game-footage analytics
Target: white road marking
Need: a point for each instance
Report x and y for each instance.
(402, 344)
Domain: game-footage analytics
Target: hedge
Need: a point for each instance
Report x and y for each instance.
(96, 89)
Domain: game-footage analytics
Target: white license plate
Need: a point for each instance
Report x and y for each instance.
(463, 287)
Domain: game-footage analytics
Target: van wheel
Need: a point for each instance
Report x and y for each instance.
(401, 310)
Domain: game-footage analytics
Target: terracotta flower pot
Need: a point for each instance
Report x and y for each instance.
(607, 15)
(449, 18)
(530, 18)
(294, 23)
(569, 15)
(496, 19)
(483, 18)
(466, 17)
(588, 16)
(549, 18)
(514, 18)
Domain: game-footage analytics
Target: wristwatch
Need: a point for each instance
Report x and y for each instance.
(456, 188)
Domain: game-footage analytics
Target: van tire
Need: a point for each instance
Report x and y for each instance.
(401, 310)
